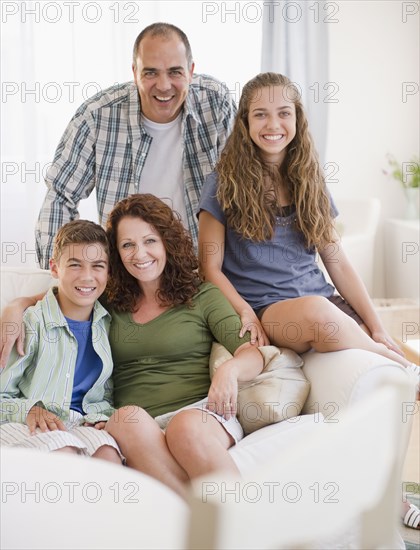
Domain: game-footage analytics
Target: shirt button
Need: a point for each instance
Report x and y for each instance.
(67, 375)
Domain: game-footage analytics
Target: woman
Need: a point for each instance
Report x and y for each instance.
(164, 320)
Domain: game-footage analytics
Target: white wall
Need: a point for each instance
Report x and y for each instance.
(374, 54)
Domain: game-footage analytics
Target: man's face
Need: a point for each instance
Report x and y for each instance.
(162, 76)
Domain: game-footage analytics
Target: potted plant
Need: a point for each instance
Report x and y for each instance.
(408, 175)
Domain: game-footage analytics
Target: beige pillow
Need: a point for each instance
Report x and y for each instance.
(276, 394)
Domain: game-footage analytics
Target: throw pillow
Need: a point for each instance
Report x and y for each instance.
(277, 393)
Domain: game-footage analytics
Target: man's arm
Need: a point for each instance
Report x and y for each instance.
(226, 119)
(69, 179)
(12, 327)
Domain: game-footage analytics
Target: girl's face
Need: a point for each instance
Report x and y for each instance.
(272, 122)
(141, 250)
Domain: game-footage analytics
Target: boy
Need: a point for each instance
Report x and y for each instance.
(57, 397)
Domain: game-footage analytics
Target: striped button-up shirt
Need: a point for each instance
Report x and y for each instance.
(44, 375)
(105, 146)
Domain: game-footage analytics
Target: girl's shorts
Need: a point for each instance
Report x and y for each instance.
(85, 439)
(336, 299)
(232, 426)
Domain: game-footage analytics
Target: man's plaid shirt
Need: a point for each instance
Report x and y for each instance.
(105, 147)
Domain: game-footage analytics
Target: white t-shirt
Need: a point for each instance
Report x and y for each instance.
(162, 173)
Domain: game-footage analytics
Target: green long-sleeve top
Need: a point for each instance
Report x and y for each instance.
(163, 365)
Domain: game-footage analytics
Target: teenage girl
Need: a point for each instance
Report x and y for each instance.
(264, 215)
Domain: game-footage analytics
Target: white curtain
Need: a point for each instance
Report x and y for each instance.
(295, 43)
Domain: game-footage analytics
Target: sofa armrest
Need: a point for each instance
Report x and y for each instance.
(339, 378)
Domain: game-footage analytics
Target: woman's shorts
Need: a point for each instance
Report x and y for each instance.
(336, 299)
(232, 426)
(85, 439)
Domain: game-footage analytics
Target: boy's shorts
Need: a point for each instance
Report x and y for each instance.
(85, 439)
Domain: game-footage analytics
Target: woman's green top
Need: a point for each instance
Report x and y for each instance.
(163, 365)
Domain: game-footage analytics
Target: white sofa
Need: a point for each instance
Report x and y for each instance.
(339, 380)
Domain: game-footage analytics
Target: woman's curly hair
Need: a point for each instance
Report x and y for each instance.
(241, 171)
(179, 280)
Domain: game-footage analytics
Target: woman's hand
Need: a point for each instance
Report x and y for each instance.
(223, 392)
(251, 323)
(382, 337)
(45, 420)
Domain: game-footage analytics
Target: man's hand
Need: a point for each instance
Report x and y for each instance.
(12, 330)
(45, 420)
(12, 327)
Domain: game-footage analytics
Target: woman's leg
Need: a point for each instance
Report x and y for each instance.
(314, 322)
(199, 443)
(144, 446)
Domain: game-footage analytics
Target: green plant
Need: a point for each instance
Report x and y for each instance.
(407, 173)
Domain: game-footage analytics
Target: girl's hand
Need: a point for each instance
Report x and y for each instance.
(223, 392)
(251, 323)
(382, 337)
(45, 420)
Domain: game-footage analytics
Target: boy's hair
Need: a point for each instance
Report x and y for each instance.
(241, 173)
(79, 232)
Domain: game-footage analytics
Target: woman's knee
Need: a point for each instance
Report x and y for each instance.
(184, 430)
(127, 419)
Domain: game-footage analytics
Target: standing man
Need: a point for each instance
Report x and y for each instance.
(160, 134)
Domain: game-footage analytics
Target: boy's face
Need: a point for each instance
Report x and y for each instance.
(82, 272)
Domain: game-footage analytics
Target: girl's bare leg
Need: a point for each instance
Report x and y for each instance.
(314, 322)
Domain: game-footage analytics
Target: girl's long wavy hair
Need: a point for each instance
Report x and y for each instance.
(179, 280)
(241, 171)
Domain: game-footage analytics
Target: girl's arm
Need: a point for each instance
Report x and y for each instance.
(246, 364)
(211, 242)
(350, 286)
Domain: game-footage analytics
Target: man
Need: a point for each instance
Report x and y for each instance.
(162, 133)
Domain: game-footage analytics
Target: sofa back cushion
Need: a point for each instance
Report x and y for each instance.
(22, 281)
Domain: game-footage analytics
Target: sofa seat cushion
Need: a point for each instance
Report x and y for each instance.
(271, 440)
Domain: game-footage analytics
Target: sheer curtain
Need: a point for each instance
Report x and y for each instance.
(295, 43)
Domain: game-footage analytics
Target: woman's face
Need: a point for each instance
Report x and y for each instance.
(272, 122)
(141, 250)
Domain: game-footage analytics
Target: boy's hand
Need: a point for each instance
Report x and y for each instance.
(97, 426)
(45, 420)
